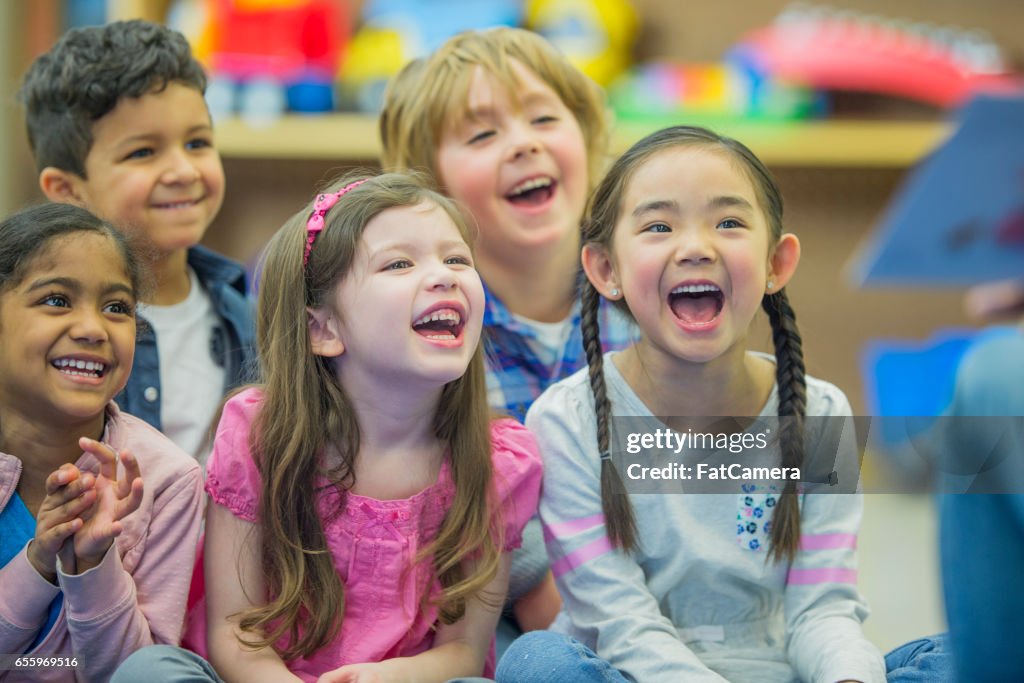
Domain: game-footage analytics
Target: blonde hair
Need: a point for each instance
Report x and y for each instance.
(305, 410)
(431, 94)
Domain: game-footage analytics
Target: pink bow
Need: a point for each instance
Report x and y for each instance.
(321, 206)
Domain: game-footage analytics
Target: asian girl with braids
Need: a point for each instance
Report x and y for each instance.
(685, 235)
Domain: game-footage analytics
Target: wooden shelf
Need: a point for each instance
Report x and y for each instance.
(835, 144)
(354, 137)
(342, 137)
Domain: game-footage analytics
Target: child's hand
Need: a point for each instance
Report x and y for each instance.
(358, 673)
(115, 499)
(69, 494)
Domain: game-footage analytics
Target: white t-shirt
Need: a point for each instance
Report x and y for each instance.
(191, 375)
(549, 340)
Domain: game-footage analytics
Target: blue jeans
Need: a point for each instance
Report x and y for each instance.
(927, 660)
(549, 657)
(165, 664)
(169, 664)
(982, 550)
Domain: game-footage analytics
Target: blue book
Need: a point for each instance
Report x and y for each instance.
(958, 220)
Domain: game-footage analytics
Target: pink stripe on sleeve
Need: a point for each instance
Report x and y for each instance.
(595, 548)
(572, 526)
(807, 577)
(827, 541)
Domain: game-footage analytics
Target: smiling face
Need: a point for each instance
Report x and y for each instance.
(691, 253)
(153, 170)
(67, 332)
(518, 164)
(411, 306)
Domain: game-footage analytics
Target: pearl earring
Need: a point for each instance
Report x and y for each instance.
(770, 285)
(615, 293)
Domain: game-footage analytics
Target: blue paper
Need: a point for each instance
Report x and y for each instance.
(959, 218)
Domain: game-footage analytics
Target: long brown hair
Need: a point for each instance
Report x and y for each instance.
(598, 228)
(305, 410)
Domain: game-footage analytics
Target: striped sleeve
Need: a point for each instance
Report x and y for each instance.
(605, 595)
(824, 609)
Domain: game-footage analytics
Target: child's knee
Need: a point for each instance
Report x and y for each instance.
(535, 656)
(164, 663)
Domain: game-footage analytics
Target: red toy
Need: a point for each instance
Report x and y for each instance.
(287, 41)
(833, 50)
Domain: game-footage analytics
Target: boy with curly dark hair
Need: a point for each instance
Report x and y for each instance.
(118, 124)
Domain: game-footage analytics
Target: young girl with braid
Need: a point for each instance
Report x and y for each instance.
(685, 235)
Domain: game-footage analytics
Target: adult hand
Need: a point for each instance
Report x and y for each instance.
(995, 301)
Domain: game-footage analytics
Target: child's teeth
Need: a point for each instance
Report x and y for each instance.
(694, 289)
(532, 184)
(450, 316)
(86, 365)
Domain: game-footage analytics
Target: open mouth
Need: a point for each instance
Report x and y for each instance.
(533, 192)
(696, 304)
(443, 324)
(80, 368)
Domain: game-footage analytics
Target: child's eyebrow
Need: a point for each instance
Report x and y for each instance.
(661, 205)
(531, 97)
(65, 282)
(481, 112)
(409, 246)
(522, 100)
(118, 287)
(74, 285)
(454, 244)
(730, 201)
(145, 137)
(655, 206)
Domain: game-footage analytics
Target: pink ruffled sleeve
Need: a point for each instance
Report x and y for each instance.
(517, 476)
(232, 479)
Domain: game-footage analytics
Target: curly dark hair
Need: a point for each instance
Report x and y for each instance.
(87, 72)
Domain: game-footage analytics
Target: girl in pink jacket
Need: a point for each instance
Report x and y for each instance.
(93, 564)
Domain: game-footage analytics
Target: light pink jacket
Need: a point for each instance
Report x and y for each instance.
(135, 596)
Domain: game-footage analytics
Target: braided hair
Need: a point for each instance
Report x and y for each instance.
(598, 228)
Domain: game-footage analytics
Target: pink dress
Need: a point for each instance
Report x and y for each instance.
(372, 541)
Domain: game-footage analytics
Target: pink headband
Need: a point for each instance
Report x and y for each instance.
(321, 206)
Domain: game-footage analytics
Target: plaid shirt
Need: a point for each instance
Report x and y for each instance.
(515, 375)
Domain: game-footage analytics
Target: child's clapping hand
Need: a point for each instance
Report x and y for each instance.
(69, 494)
(114, 500)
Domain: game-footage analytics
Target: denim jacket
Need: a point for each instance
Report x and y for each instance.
(234, 342)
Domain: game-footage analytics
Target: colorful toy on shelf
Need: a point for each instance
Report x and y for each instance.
(266, 56)
(841, 50)
(596, 35)
(396, 31)
(708, 92)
